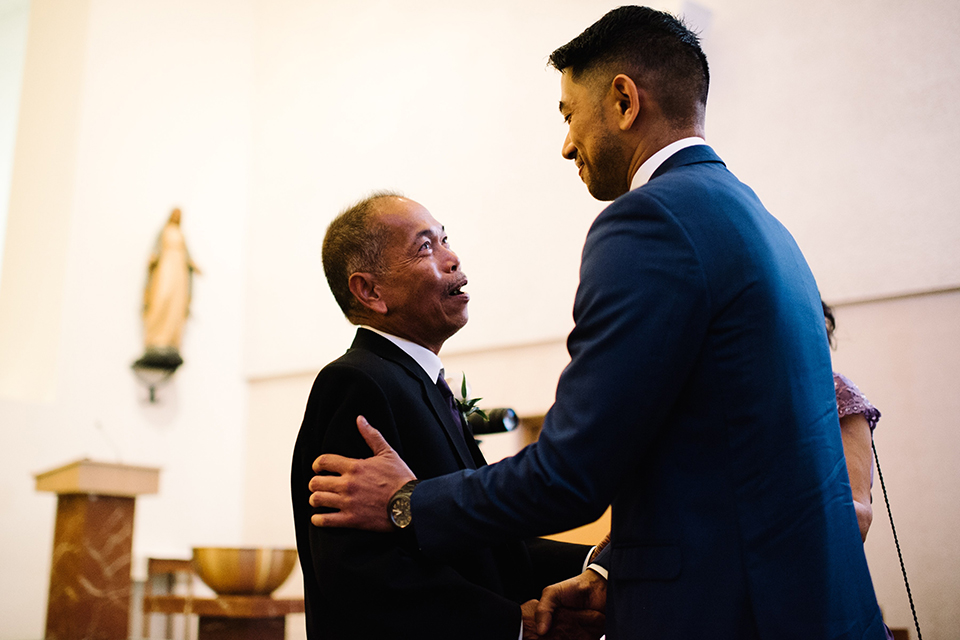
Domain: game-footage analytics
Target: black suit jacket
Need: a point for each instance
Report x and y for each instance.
(360, 584)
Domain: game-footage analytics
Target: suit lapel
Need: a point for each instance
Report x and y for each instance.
(385, 349)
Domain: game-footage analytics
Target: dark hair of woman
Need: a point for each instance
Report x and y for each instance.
(830, 322)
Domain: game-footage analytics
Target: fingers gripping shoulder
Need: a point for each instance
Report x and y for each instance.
(343, 392)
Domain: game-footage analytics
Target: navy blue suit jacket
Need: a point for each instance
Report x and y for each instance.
(360, 585)
(699, 401)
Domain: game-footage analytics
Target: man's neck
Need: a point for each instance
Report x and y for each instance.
(655, 141)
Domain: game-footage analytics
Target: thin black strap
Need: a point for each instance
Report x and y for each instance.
(896, 541)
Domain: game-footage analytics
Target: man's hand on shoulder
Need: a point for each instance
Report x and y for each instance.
(360, 489)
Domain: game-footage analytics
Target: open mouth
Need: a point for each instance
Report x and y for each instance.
(458, 288)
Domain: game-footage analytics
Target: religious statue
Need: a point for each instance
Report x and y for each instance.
(166, 298)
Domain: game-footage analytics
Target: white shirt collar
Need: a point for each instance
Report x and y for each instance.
(428, 360)
(651, 164)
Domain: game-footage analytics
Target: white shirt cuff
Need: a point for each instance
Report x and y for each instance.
(598, 569)
(586, 561)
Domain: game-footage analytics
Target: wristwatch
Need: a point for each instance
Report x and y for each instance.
(399, 509)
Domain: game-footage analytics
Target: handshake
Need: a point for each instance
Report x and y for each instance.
(569, 610)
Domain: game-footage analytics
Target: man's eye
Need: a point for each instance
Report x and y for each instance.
(445, 242)
(425, 246)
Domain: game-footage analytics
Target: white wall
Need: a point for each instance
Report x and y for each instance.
(161, 118)
(13, 44)
(41, 197)
(904, 354)
(838, 115)
(834, 114)
(451, 104)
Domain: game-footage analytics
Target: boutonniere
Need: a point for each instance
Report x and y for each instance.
(466, 405)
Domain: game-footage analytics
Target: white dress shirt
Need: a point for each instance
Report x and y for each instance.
(428, 360)
(651, 164)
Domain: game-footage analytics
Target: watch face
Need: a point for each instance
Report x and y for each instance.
(400, 512)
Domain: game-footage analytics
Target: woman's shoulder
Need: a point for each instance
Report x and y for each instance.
(850, 400)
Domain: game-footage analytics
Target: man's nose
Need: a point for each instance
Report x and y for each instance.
(569, 150)
(452, 260)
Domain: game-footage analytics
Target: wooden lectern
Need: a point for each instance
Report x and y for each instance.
(92, 547)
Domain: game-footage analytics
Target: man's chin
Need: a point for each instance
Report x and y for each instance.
(605, 193)
(461, 322)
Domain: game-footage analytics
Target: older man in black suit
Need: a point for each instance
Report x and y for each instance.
(392, 272)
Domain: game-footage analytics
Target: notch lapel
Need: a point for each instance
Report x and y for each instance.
(454, 432)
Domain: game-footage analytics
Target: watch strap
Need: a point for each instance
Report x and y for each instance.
(401, 496)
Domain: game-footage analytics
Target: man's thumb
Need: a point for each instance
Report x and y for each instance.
(372, 437)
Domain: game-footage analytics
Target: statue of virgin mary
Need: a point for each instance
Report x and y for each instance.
(166, 297)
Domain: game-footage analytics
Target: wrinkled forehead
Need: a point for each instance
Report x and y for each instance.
(405, 221)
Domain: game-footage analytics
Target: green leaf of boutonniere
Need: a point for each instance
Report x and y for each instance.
(468, 406)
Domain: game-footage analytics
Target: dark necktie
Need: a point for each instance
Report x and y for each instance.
(448, 396)
(465, 430)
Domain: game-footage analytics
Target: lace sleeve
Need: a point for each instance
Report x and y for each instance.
(851, 401)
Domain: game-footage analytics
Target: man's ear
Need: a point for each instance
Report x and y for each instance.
(366, 290)
(628, 98)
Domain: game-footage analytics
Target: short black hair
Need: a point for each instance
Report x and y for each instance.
(354, 242)
(657, 50)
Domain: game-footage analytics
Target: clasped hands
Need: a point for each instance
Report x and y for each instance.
(569, 610)
(360, 491)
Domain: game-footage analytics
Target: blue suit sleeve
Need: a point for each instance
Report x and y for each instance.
(640, 322)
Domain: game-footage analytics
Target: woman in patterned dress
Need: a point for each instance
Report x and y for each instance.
(858, 418)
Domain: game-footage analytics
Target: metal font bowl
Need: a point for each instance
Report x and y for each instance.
(233, 571)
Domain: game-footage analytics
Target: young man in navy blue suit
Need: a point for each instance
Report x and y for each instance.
(699, 399)
(389, 266)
